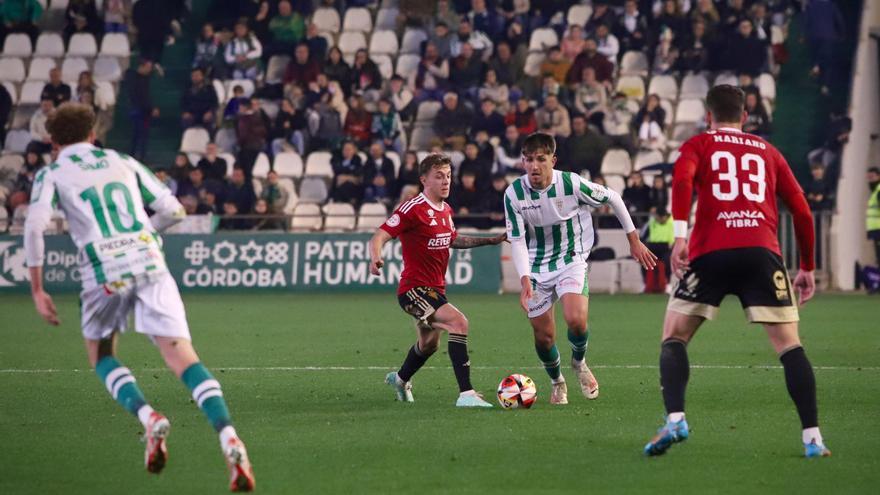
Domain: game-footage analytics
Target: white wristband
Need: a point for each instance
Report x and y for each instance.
(680, 227)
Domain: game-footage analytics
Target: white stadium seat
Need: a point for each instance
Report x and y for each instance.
(82, 45)
(327, 19)
(357, 19)
(72, 67)
(412, 41)
(318, 164)
(691, 110)
(50, 45)
(383, 42)
(351, 41)
(226, 140)
(542, 39)
(39, 69)
(579, 14)
(246, 84)
(105, 95)
(261, 166)
(286, 184)
(11, 69)
(13, 94)
(533, 63)
(276, 68)
(395, 159)
(17, 141)
(306, 217)
(646, 158)
(422, 138)
(767, 86)
(616, 161)
(632, 86)
(663, 86)
(694, 86)
(17, 45)
(670, 111)
(107, 69)
(288, 164)
(313, 190)
(115, 45)
(427, 111)
(634, 63)
(407, 64)
(194, 140)
(385, 65)
(726, 78)
(386, 18)
(615, 182)
(339, 216)
(371, 216)
(30, 93)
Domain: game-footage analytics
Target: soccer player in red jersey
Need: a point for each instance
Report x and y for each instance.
(426, 231)
(733, 249)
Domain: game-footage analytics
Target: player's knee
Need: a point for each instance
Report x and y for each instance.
(577, 320)
(460, 325)
(544, 340)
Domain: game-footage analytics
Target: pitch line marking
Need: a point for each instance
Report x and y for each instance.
(386, 368)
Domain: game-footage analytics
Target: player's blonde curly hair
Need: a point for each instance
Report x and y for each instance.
(71, 123)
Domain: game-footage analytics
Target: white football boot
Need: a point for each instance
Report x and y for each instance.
(589, 384)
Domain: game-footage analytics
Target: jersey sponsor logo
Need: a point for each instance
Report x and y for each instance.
(531, 207)
(442, 241)
(727, 138)
(740, 219)
(393, 220)
(781, 283)
(687, 287)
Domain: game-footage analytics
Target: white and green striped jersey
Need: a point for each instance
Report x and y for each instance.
(556, 221)
(102, 194)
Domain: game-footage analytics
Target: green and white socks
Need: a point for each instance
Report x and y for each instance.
(123, 388)
(579, 343)
(207, 394)
(550, 359)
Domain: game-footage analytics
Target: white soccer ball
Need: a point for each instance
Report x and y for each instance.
(517, 391)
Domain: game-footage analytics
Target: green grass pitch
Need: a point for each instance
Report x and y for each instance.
(303, 378)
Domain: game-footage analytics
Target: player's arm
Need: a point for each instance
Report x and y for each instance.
(43, 200)
(516, 229)
(157, 196)
(376, 243)
(467, 242)
(682, 192)
(793, 196)
(597, 195)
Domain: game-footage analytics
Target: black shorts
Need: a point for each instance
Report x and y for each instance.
(421, 302)
(757, 276)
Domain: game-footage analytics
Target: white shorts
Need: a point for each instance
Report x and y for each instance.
(550, 286)
(158, 308)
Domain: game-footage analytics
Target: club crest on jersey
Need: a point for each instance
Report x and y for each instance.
(740, 219)
(431, 213)
(559, 202)
(393, 220)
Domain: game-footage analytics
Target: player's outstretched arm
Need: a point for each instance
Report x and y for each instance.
(379, 239)
(467, 242)
(43, 201)
(636, 248)
(804, 231)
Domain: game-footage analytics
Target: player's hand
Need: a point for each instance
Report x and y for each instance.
(679, 257)
(45, 307)
(498, 239)
(805, 285)
(376, 266)
(525, 294)
(643, 255)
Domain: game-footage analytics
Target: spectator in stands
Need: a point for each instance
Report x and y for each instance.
(378, 174)
(666, 53)
(232, 106)
(6, 105)
(746, 53)
(823, 25)
(820, 192)
(358, 122)
(208, 204)
(243, 53)
(302, 70)
(493, 90)
(591, 98)
(20, 16)
(400, 96)
(141, 109)
(442, 39)
(273, 194)
(651, 111)
(194, 185)
(116, 13)
(606, 43)
(477, 163)
(761, 20)
(493, 203)
(508, 68)
(199, 102)
(706, 12)
(180, 169)
(553, 118)
(365, 76)
(590, 57)
(56, 89)
(387, 127)
(872, 214)
(164, 178)
(604, 216)
(517, 34)
(452, 122)
(555, 65)
(240, 191)
(631, 28)
(260, 25)
(253, 131)
(637, 194)
(317, 43)
(153, 23)
(488, 120)
(347, 175)
(659, 193)
(230, 209)
(262, 208)
(523, 117)
(337, 69)
(670, 19)
(466, 198)
(658, 236)
(408, 175)
(758, 121)
(41, 141)
(207, 50)
(573, 43)
(325, 124)
(695, 48)
(485, 20)
(601, 15)
(290, 128)
(213, 167)
(617, 121)
(20, 192)
(85, 83)
(478, 40)
(81, 16)
(584, 149)
(732, 14)
(466, 72)
(287, 28)
(508, 153)
(446, 14)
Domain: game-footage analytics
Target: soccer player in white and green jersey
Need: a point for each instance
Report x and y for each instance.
(551, 233)
(123, 271)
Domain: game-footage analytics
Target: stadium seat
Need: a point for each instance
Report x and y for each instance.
(246, 84)
(542, 39)
(634, 63)
(768, 105)
(115, 45)
(767, 86)
(386, 18)
(632, 86)
(16, 226)
(777, 35)
(261, 166)
(4, 219)
(286, 184)
(226, 140)
(230, 161)
(39, 69)
(107, 69)
(105, 95)
(666, 105)
(407, 64)
(318, 164)
(313, 190)
(673, 156)
(371, 216)
(726, 78)
(386, 66)
(395, 159)
(82, 45)
(288, 164)
(339, 216)
(12, 69)
(194, 140)
(383, 42)
(351, 41)
(17, 45)
(615, 182)
(306, 217)
(646, 158)
(257, 184)
(616, 161)
(683, 131)
(412, 41)
(579, 14)
(456, 157)
(694, 86)
(327, 19)
(663, 86)
(30, 93)
(17, 141)
(13, 94)
(49, 45)
(275, 69)
(357, 19)
(533, 63)
(72, 67)
(421, 138)
(11, 164)
(691, 110)
(427, 111)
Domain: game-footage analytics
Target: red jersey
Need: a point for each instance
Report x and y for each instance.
(737, 177)
(426, 232)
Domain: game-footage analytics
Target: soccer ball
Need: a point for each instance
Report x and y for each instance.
(517, 391)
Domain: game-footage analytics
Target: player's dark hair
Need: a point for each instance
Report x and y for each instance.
(726, 102)
(71, 123)
(432, 161)
(537, 142)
